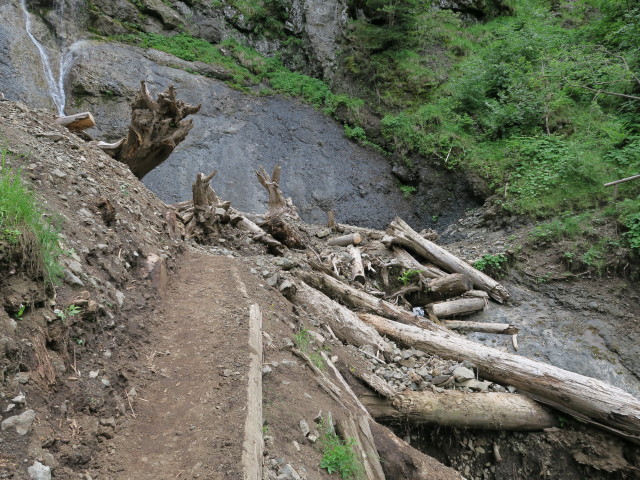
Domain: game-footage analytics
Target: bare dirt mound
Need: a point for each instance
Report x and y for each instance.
(189, 416)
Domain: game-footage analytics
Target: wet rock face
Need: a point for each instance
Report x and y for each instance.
(235, 133)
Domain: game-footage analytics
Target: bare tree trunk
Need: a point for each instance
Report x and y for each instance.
(400, 233)
(486, 411)
(586, 398)
(401, 460)
(157, 127)
(253, 445)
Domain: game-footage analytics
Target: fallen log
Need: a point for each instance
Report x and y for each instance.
(463, 326)
(586, 398)
(77, 122)
(357, 269)
(450, 286)
(157, 127)
(398, 458)
(451, 408)
(343, 322)
(362, 300)
(253, 444)
(400, 233)
(282, 231)
(343, 241)
(258, 234)
(462, 306)
(407, 261)
(401, 460)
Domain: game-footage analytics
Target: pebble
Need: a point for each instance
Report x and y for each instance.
(462, 374)
(304, 427)
(23, 377)
(21, 422)
(287, 472)
(38, 471)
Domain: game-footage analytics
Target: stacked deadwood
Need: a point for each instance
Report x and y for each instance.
(204, 215)
(334, 279)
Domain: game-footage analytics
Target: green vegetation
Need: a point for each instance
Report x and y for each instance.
(304, 341)
(26, 237)
(70, 311)
(407, 276)
(339, 456)
(491, 263)
(539, 99)
(407, 190)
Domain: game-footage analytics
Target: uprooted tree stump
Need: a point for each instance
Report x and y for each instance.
(278, 204)
(279, 208)
(157, 127)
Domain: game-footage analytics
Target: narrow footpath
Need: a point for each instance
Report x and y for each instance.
(189, 420)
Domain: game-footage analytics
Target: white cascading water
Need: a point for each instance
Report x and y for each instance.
(56, 85)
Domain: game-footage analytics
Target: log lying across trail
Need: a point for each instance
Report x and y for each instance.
(570, 392)
(342, 321)
(400, 233)
(486, 411)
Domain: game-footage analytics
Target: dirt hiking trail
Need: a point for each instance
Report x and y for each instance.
(189, 420)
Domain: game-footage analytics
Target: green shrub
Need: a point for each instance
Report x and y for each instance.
(31, 240)
(490, 262)
(340, 456)
(408, 275)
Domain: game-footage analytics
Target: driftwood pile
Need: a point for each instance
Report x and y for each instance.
(365, 285)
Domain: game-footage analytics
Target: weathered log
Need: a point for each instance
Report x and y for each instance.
(253, 444)
(450, 286)
(400, 233)
(499, 328)
(278, 204)
(157, 127)
(407, 261)
(343, 322)
(401, 460)
(343, 241)
(111, 149)
(451, 408)
(357, 269)
(361, 300)
(462, 306)
(442, 288)
(586, 398)
(398, 458)
(77, 122)
(258, 234)
(282, 231)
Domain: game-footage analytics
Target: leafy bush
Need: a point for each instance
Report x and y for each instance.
(490, 262)
(408, 275)
(31, 240)
(340, 457)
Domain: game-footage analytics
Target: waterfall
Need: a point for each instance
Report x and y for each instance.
(56, 85)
